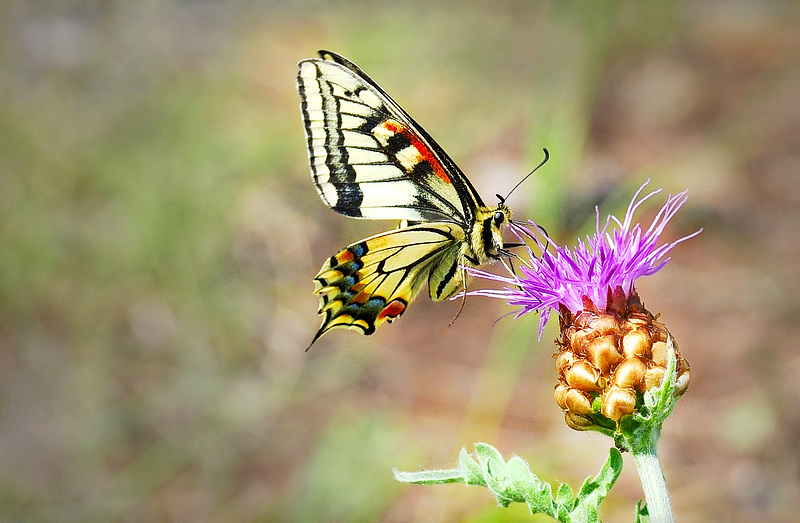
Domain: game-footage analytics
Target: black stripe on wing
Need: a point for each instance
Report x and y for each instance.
(342, 174)
(374, 280)
(429, 201)
(470, 199)
(338, 108)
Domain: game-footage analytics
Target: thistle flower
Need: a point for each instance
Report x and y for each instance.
(620, 371)
(611, 349)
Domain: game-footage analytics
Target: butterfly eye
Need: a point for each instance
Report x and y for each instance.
(499, 217)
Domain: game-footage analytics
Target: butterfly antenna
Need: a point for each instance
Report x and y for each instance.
(546, 157)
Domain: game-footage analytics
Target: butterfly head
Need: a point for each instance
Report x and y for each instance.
(487, 234)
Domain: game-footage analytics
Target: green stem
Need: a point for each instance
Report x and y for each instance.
(654, 485)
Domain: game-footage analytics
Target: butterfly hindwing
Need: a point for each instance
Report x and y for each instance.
(374, 280)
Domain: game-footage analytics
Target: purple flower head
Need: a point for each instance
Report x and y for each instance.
(613, 257)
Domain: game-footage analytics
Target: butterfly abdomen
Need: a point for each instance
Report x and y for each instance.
(446, 277)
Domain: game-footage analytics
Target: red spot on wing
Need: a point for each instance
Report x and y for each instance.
(422, 149)
(394, 309)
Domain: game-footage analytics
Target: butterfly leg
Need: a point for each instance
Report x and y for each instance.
(463, 296)
(509, 264)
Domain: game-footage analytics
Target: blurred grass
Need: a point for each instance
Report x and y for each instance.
(158, 236)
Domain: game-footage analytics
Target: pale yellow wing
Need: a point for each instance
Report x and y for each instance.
(374, 280)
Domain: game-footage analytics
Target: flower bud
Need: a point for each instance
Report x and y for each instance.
(609, 359)
(618, 403)
(576, 422)
(630, 374)
(564, 360)
(636, 343)
(660, 353)
(583, 375)
(578, 402)
(602, 353)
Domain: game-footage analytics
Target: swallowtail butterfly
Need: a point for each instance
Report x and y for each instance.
(370, 159)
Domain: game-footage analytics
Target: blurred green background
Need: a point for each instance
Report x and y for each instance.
(159, 233)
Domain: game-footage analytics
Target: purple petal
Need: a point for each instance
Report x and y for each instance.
(617, 254)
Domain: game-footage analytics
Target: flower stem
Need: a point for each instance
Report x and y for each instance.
(654, 485)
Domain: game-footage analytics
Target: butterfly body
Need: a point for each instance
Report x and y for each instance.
(370, 159)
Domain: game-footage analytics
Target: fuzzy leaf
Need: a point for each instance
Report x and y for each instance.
(565, 497)
(473, 473)
(594, 490)
(496, 474)
(642, 515)
(430, 477)
(536, 493)
(661, 400)
(514, 482)
(601, 484)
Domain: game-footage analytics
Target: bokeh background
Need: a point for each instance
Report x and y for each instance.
(159, 234)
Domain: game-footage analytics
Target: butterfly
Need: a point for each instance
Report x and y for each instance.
(369, 159)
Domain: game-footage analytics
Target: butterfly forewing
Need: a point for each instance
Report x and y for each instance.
(368, 158)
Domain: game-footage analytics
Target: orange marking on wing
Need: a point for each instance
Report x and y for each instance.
(360, 298)
(422, 150)
(393, 310)
(345, 256)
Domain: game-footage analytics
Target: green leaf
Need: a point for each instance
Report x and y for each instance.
(565, 497)
(601, 484)
(496, 474)
(642, 515)
(594, 490)
(514, 482)
(473, 473)
(430, 477)
(469, 471)
(537, 494)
